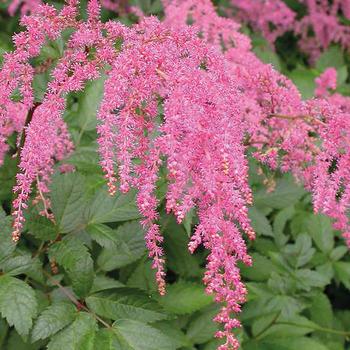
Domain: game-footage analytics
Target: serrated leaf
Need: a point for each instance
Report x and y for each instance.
(79, 335)
(338, 252)
(17, 265)
(102, 282)
(261, 269)
(105, 208)
(68, 200)
(308, 279)
(89, 101)
(342, 272)
(17, 303)
(41, 227)
(201, 327)
(53, 319)
(139, 336)
(320, 229)
(321, 311)
(293, 326)
(143, 277)
(184, 298)
(285, 194)
(259, 222)
(125, 303)
(179, 259)
(131, 247)
(107, 339)
(103, 235)
(7, 246)
(286, 343)
(74, 256)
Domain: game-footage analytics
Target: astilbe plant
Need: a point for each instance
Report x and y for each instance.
(317, 29)
(218, 101)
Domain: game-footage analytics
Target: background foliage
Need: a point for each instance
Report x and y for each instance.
(85, 282)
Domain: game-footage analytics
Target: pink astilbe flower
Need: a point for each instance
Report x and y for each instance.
(271, 17)
(222, 32)
(160, 64)
(47, 138)
(327, 80)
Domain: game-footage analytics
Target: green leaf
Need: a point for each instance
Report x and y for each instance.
(89, 101)
(285, 194)
(16, 342)
(308, 279)
(321, 310)
(201, 327)
(143, 277)
(103, 235)
(131, 246)
(68, 200)
(79, 335)
(185, 298)
(261, 269)
(338, 252)
(300, 253)
(259, 222)
(53, 319)
(105, 208)
(102, 282)
(139, 336)
(41, 227)
(17, 303)
(125, 303)
(179, 259)
(304, 79)
(333, 57)
(74, 256)
(342, 272)
(16, 265)
(107, 339)
(287, 343)
(320, 229)
(293, 326)
(7, 246)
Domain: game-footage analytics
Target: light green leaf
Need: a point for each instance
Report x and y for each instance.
(185, 298)
(320, 229)
(261, 269)
(17, 303)
(308, 279)
(259, 222)
(342, 272)
(285, 194)
(125, 303)
(79, 335)
(53, 319)
(89, 101)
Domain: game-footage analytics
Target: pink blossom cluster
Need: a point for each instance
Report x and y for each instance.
(218, 100)
(320, 27)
